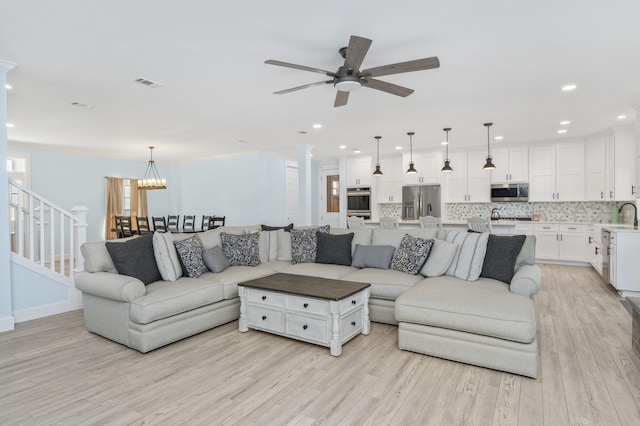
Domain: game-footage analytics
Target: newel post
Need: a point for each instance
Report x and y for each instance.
(79, 234)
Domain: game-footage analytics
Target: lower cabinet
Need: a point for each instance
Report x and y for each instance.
(561, 242)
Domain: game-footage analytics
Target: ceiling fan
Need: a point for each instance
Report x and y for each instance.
(349, 77)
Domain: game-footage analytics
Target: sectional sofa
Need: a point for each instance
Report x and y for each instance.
(446, 310)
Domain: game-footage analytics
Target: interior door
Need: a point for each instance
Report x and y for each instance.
(329, 197)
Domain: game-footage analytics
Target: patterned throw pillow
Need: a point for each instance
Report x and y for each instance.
(411, 255)
(190, 252)
(241, 250)
(304, 244)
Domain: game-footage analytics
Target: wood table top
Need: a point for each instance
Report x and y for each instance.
(322, 288)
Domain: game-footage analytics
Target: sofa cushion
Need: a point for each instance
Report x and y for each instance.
(334, 249)
(215, 259)
(283, 250)
(190, 253)
(527, 255)
(97, 257)
(304, 244)
(411, 255)
(500, 259)
(135, 258)
(286, 228)
(166, 256)
(165, 299)
(241, 250)
(318, 270)
(385, 283)
(393, 237)
(467, 262)
(439, 259)
(373, 256)
(485, 307)
(360, 236)
(237, 274)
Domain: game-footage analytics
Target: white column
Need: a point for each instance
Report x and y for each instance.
(6, 314)
(304, 184)
(79, 235)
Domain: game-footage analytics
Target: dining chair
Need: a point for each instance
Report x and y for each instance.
(142, 223)
(430, 222)
(159, 224)
(205, 222)
(216, 221)
(389, 223)
(125, 227)
(479, 224)
(188, 223)
(173, 221)
(355, 222)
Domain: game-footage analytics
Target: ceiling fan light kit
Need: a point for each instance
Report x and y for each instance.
(489, 164)
(151, 178)
(349, 77)
(411, 170)
(447, 166)
(378, 172)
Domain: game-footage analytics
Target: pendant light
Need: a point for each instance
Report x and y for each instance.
(411, 169)
(447, 168)
(378, 172)
(151, 178)
(489, 165)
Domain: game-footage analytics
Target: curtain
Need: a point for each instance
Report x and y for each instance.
(138, 200)
(114, 205)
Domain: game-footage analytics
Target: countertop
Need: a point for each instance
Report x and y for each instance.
(616, 227)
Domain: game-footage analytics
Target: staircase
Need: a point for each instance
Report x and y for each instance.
(46, 238)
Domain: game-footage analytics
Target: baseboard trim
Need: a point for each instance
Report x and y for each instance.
(7, 324)
(36, 312)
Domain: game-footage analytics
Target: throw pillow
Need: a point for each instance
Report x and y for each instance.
(287, 228)
(439, 259)
(166, 256)
(241, 250)
(467, 262)
(304, 244)
(283, 249)
(500, 259)
(334, 249)
(190, 253)
(373, 256)
(411, 255)
(135, 258)
(215, 260)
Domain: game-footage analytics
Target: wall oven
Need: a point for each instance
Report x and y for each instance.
(504, 192)
(359, 202)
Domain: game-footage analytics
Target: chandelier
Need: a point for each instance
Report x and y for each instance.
(151, 178)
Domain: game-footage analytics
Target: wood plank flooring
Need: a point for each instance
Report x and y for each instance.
(52, 371)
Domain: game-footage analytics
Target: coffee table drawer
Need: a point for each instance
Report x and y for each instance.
(268, 319)
(265, 297)
(351, 324)
(351, 302)
(307, 328)
(306, 304)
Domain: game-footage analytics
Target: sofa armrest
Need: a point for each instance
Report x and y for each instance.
(526, 281)
(122, 288)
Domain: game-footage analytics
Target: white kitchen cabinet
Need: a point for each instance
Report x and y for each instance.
(596, 170)
(625, 268)
(594, 248)
(561, 242)
(512, 165)
(359, 171)
(623, 169)
(468, 182)
(557, 172)
(389, 185)
(610, 168)
(428, 165)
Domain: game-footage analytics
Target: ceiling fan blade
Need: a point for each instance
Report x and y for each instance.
(341, 98)
(394, 89)
(299, 67)
(409, 66)
(357, 50)
(293, 89)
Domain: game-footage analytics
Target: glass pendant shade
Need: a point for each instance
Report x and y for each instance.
(378, 172)
(489, 164)
(447, 166)
(411, 170)
(151, 178)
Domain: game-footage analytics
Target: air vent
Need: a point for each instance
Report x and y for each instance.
(81, 105)
(146, 82)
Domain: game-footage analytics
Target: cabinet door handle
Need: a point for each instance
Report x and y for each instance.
(353, 302)
(597, 250)
(560, 237)
(304, 327)
(601, 194)
(610, 194)
(590, 240)
(264, 297)
(353, 323)
(573, 228)
(306, 305)
(264, 317)
(633, 189)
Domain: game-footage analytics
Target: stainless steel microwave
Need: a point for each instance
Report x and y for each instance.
(505, 192)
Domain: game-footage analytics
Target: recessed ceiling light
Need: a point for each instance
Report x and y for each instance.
(565, 123)
(11, 125)
(8, 86)
(444, 143)
(356, 151)
(569, 87)
(398, 147)
(499, 138)
(622, 117)
(342, 147)
(317, 126)
(562, 131)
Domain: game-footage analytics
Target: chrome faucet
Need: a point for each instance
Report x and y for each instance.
(635, 213)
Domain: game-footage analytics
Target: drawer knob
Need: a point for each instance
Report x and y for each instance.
(306, 305)
(353, 302)
(264, 297)
(304, 327)
(353, 323)
(264, 317)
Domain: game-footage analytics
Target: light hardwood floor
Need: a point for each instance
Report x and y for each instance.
(52, 371)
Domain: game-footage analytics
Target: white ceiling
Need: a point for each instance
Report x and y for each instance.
(501, 61)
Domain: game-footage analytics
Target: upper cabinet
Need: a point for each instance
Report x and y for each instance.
(359, 171)
(557, 172)
(512, 165)
(468, 182)
(389, 186)
(428, 165)
(623, 168)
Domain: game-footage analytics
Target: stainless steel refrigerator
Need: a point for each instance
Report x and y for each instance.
(420, 200)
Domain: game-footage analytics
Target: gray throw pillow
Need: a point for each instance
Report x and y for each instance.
(241, 250)
(334, 249)
(304, 244)
(373, 256)
(190, 253)
(500, 259)
(215, 260)
(411, 255)
(135, 258)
